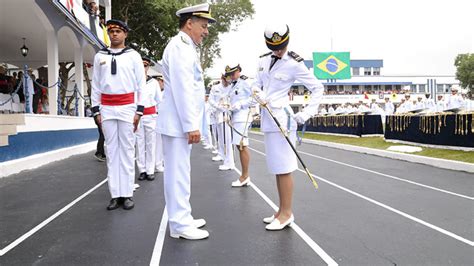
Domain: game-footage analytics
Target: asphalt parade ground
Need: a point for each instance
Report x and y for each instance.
(368, 210)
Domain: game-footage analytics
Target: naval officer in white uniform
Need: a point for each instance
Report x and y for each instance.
(179, 118)
(240, 102)
(117, 84)
(276, 73)
(146, 132)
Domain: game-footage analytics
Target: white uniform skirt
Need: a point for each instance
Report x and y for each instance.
(243, 130)
(280, 157)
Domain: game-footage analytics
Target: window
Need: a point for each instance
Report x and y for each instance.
(355, 88)
(388, 87)
(376, 71)
(439, 87)
(367, 71)
(367, 88)
(421, 88)
(413, 88)
(355, 71)
(376, 87)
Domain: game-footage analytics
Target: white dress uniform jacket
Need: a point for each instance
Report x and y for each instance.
(277, 82)
(182, 104)
(241, 97)
(455, 101)
(130, 77)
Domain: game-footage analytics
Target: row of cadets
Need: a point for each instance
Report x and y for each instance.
(277, 71)
(241, 100)
(179, 119)
(146, 132)
(117, 84)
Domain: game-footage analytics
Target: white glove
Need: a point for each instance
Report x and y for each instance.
(259, 95)
(236, 106)
(301, 117)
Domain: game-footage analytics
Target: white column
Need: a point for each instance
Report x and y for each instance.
(53, 70)
(108, 10)
(79, 75)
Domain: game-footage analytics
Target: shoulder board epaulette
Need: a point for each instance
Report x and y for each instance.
(243, 77)
(295, 56)
(148, 78)
(267, 54)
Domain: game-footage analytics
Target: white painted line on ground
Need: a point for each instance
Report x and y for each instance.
(313, 245)
(413, 218)
(160, 239)
(386, 175)
(47, 221)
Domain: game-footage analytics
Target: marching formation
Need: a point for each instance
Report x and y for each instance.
(155, 121)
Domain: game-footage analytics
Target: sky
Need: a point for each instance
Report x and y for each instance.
(413, 37)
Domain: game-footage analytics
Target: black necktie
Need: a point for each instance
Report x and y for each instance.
(274, 60)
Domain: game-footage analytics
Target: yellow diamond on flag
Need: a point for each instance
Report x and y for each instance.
(332, 65)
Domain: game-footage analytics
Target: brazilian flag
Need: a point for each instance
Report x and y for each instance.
(335, 65)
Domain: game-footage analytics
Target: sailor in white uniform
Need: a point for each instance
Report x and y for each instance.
(277, 71)
(440, 104)
(389, 108)
(146, 132)
(217, 119)
(240, 102)
(117, 84)
(159, 165)
(429, 104)
(179, 117)
(223, 128)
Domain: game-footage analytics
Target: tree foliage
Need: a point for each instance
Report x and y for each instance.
(465, 71)
(154, 22)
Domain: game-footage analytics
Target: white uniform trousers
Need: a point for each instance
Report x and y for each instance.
(214, 136)
(280, 157)
(146, 144)
(120, 141)
(159, 152)
(226, 146)
(177, 183)
(208, 140)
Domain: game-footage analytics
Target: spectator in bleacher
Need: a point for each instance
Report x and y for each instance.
(45, 104)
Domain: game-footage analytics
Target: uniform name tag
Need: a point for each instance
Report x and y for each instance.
(102, 63)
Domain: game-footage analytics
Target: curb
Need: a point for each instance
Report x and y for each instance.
(436, 162)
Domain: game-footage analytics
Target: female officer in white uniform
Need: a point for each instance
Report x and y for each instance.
(240, 100)
(276, 73)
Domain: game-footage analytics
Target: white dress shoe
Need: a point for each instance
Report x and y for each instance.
(217, 158)
(160, 169)
(198, 223)
(191, 234)
(225, 167)
(215, 152)
(269, 220)
(276, 225)
(244, 183)
(207, 147)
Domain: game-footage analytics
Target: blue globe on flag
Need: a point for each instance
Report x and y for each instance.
(332, 65)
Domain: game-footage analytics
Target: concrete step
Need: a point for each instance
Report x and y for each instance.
(3, 140)
(12, 119)
(8, 130)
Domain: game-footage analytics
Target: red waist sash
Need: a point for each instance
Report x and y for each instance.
(118, 99)
(149, 110)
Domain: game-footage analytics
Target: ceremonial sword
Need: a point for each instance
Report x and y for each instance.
(287, 139)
